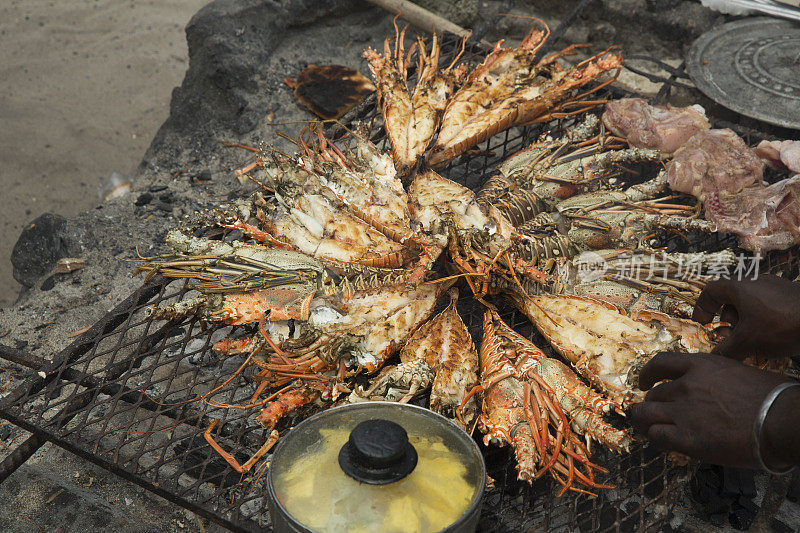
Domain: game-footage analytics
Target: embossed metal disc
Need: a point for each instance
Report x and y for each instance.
(751, 66)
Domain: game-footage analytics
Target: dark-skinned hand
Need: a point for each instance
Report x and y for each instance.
(708, 408)
(764, 314)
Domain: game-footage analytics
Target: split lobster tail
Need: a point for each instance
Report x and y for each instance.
(510, 88)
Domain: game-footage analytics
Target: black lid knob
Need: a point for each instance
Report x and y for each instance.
(378, 452)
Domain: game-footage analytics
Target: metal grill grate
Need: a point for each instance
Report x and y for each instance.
(120, 396)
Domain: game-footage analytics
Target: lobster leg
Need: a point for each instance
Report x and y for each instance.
(230, 459)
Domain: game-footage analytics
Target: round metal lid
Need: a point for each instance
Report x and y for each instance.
(751, 66)
(309, 484)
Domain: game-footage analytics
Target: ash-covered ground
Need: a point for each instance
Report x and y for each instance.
(239, 53)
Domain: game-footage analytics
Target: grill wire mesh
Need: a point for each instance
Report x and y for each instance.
(122, 396)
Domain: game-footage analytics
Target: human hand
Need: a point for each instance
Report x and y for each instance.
(708, 409)
(764, 314)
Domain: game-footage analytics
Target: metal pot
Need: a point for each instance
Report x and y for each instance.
(376, 466)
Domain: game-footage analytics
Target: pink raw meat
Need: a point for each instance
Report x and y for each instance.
(656, 127)
(714, 161)
(764, 218)
(780, 155)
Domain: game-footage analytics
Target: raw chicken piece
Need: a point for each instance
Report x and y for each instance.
(657, 127)
(714, 161)
(764, 218)
(780, 155)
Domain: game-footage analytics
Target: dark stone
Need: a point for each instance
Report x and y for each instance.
(225, 88)
(247, 121)
(361, 36)
(49, 283)
(662, 5)
(200, 178)
(144, 199)
(738, 482)
(779, 527)
(158, 188)
(166, 198)
(671, 20)
(38, 248)
(603, 31)
(742, 517)
(793, 494)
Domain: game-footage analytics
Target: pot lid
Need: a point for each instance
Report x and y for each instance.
(377, 466)
(751, 66)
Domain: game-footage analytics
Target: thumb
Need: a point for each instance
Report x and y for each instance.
(734, 345)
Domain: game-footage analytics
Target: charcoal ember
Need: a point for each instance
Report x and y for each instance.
(606, 520)
(165, 208)
(203, 177)
(489, 521)
(738, 482)
(743, 512)
(143, 199)
(725, 495)
(793, 494)
(253, 508)
(421, 399)
(205, 358)
(629, 521)
(6, 431)
(707, 491)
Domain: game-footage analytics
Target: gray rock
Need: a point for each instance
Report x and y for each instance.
(46, 240)
(462, 12)
(38, 248)
(230, 45)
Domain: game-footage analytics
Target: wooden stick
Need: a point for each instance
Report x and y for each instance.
(420, 17)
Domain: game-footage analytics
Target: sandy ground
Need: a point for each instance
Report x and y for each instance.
(84, 85)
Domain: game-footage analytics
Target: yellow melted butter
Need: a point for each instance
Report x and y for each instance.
(319, 495)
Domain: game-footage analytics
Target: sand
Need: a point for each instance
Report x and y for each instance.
(84, 86)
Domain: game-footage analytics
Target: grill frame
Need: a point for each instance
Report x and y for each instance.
(111, 377)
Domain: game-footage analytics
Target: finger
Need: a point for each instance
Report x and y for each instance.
(735, 345)
(729, 315)
(664, 365)
(666, 391)
(711, 299)
(644, 414)
(724, 332)
(669, 438)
